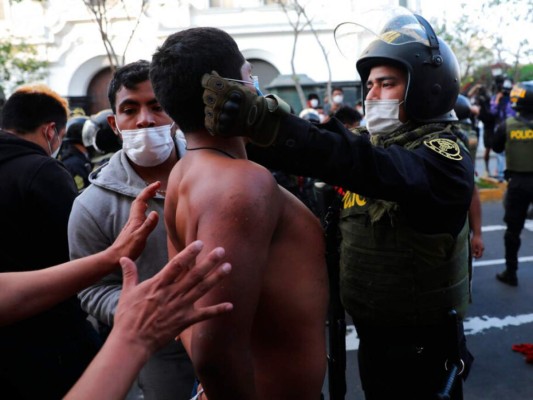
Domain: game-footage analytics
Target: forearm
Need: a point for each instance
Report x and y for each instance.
(28, 293)
(113, 370)
(300, 144)
(474, 214)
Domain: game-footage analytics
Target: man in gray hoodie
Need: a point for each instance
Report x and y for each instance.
(149, 151)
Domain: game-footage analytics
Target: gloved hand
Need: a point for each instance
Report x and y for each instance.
(231, 109)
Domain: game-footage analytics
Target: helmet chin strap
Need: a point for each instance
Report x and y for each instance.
(436, 58)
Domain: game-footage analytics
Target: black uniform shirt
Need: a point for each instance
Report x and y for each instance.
(433, 189)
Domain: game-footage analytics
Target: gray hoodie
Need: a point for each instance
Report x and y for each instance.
(97, 217)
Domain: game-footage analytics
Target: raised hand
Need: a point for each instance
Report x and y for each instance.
(132, 239)
(160, 308)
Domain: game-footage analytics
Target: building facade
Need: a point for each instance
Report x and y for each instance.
(67, 35)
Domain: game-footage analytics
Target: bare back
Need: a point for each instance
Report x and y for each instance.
(272, 346)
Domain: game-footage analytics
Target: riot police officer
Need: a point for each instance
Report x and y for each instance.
(74, 154)
(102, 139)
(515, 136)
(404, 250)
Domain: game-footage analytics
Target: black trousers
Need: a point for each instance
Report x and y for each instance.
(517, 200)
(407, 362)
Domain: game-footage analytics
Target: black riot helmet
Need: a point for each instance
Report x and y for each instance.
(522, 97)
(408, 41)
(99, 134)
(462, 107)
(74, 130)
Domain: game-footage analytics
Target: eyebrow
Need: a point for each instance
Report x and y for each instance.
(130, 102)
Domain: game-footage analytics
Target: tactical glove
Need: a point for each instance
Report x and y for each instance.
(231, 109)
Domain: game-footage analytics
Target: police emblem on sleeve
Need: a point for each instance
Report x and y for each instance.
(445, 147)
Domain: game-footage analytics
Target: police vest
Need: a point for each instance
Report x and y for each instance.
(392, 275)
(519, 145)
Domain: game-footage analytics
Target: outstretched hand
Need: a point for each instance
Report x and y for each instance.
(132, 239)
(159, 309)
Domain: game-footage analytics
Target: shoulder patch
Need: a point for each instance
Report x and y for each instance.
(445, 147)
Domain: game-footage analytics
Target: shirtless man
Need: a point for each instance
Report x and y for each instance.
(272, 346)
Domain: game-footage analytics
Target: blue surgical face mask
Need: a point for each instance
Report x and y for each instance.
(255, 83)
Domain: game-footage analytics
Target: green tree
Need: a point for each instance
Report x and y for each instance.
(19, 63)
(467, 41)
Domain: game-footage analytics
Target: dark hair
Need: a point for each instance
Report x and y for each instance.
(33, 105)
(313, 96)
(128, 76)
(348, 115)
(178, 66)
(337, 88)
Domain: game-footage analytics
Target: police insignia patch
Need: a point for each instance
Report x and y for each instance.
(445, 147)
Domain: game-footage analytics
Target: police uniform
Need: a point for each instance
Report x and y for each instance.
(78, 164)
(515, 136)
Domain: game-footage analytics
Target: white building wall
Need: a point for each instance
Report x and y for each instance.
(70, 40)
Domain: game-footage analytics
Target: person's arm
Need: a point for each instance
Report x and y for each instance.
(148, 316)
(474, 217)
(99, 299)
(23, 294)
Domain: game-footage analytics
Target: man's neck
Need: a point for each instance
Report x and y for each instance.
(234, 147)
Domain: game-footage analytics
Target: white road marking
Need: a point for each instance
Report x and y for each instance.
(473, 326)
(499, 261)
(492, 228)
(476, 325)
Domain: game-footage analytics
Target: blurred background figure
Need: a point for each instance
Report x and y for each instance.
(515, 136)
(311, 115)
(102, 139)
(349, 116)
(465, 113)
(500, 107)
(360, 109)
(336, 101)
(480, 98)
(74, 152)
(313, 101)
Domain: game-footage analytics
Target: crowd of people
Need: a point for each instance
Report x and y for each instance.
(205, 193)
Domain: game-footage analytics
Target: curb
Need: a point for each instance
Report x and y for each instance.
(492, 194)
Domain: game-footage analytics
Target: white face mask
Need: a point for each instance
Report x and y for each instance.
(382, 116)
(148, 147)
(338, 98)
(313, 103)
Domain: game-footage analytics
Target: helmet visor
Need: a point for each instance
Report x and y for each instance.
(393, 25)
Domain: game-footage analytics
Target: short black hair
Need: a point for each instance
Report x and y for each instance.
(178, 66)
(30, 106)
(313, 96)
(128, 76)
(348, 115)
